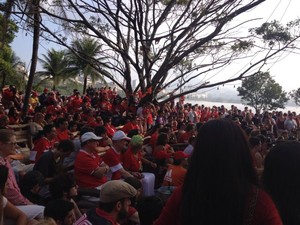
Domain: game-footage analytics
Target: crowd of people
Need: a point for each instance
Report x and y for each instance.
(103, 159)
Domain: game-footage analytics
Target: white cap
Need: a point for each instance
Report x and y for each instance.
(89, 136)
(120, 135)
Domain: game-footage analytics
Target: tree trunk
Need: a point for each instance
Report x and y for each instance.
(84, 84)
(34, 58)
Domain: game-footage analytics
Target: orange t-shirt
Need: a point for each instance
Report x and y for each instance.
(174, 176)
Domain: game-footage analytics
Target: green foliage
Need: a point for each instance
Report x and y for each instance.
(240, 45)
(56, 67)
(11, 31)
(262, 92)
(295, 95)
(86, 52)
(272, 32)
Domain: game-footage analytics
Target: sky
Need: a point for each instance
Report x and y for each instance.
(284, 70)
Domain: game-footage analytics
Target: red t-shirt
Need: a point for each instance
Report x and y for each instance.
(41, 145)
(265, 211)
(113, 160)
(62, 135)
(110, 130)
(85, 164)
(184, 138)
(129, 126)
(131, 162)
(174, 176)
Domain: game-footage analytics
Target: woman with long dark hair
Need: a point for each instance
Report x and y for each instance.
(221, 185)
(281, 179)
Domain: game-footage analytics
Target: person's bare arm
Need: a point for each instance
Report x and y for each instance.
(11, 212)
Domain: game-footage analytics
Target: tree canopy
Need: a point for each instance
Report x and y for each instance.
(147, 40)
(262, 92)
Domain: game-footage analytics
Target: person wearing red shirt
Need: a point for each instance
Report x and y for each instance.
(89, 168)
(130, 125)
(176, 173)
(133, 161)
(113, 156)
(113, 206)
(44, 142)
(110, 129)
(189, 132)
(62, 129)
(221, 184)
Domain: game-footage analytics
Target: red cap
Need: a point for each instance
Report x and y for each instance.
(180, 155)
(46, 90)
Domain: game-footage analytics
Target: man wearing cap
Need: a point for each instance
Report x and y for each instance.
(89, 169)
(113, 156)
(176, 173)
(113, 206)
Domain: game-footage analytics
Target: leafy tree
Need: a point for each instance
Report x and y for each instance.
(82, 49)
(262, 92)
(7, 34)
(295, 95)
(56, 67)
(146, 40)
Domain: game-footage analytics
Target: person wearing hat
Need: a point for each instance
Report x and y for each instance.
(176, 173)
(113, 206)
(133, 162)
(113, 156)
(89, 168)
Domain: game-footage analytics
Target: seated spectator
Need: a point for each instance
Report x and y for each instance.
(176, 173)
(62, 211)
(189, 132)
(130, 125)
(37, 125)
(4, 121)
(281, 179)
(43, 143)
(30, 186)
(190, 148)
(13, 193)
(113, 206)
(64, 187)
(133, 161)
(8, 212)
(113, 156)
(222, 181)
(149, 209)
(110, 129)
(62, 129)
(51, 163)
(89, 168)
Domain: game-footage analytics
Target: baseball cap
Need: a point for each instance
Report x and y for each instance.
(89, 136)
(115, 190)
(120, 135)
(180, 155)
(137, 140)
